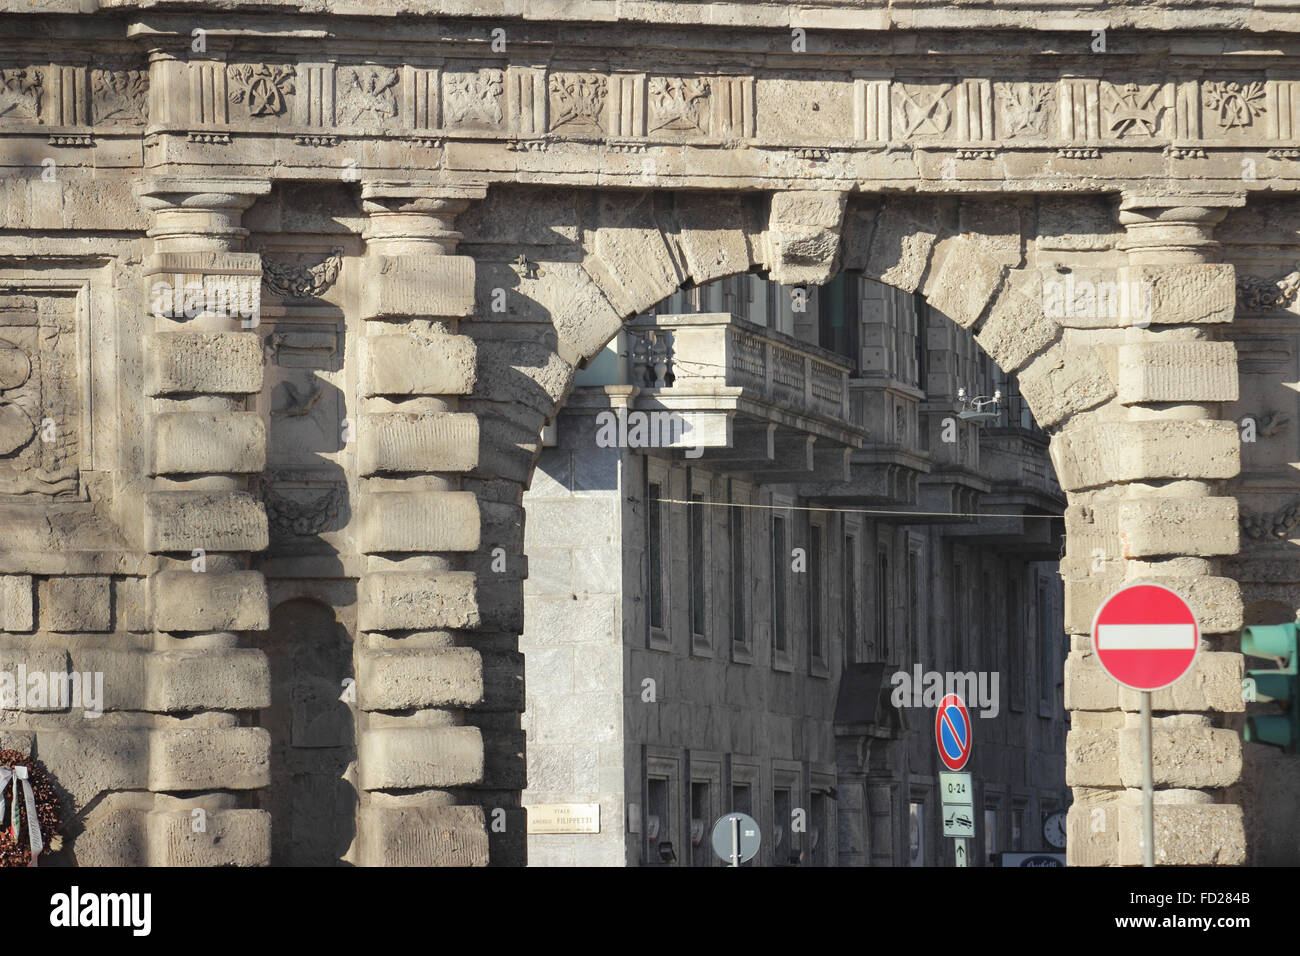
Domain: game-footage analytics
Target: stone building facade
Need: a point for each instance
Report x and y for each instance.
(408, 231)
(685, 661)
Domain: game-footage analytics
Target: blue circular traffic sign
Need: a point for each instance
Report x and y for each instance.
(952, 732)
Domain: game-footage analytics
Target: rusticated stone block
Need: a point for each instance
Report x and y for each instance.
(1215, 601)
(1087, 686)
(1063, 381)
(1168, 526)
(964, 282)
(123, 677)
(804, 236)
(393, 600)
(1090, 456)
(901, 244)
(403, 758)
(401, 442)
(70, 604)
(227, 838)
(1092, 827)
(630, 260)
(1213, 683)
(43, 662)
(87, 760)
(202, 263)
(1016, 329)
(405, 364)
(235, 758)
(1182, 294)
(113, 836)
(214, 679)
(213, 521)
(423, 836)
(1185, 835)
(17, 609)
(1182, 756)
(200, 443)
(397, 287)
(1092, 758)
(218, 363)
(1177, 372)
(432, 677)
(419, 521)
(210, 601)
(712, 236)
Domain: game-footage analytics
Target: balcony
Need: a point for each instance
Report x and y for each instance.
(756, 401)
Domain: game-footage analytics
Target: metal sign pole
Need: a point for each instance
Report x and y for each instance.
(735, 841)
(1148, 787)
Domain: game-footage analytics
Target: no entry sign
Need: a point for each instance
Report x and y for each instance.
(952, 732)
(1145, 636)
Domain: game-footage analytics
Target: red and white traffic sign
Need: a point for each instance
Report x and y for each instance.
(952, 732)
(1145, 636)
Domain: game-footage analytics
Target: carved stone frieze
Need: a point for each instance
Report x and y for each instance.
(1235, 105)
(263, 88)
(922, 110)
(20, 96)
(368, 97)
(1024, 109)
(578, 100)
(680, 104)
(120, 97)
(471, 99)
(1132, 109)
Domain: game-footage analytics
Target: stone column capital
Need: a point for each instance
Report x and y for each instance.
(198, 213)
(1165, 229)
(415, 218)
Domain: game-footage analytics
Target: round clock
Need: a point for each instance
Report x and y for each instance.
(1054, 829)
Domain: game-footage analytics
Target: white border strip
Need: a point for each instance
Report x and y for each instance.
(1146, 637)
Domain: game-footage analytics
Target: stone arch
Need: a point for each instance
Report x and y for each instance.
(1103, 386)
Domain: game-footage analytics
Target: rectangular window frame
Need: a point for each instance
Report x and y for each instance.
(658, 636)
(819, 626)
(782, 633)
(742, 644)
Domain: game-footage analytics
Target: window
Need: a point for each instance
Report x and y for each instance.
(915, 608)
(779, 568)
(990, 834)
(736, 530)
(701, 824)
(958, 616)
(916, 834)
(1018, 828)
(698, 567)
(922, 310)
(1047, 640)
(1015, 641)
(654, 556)
(819, 828)
(782, 840)
(882, 603)
(816, 598)
(850, 599)
(658, 819)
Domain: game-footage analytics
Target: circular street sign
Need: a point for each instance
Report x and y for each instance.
(952, 732)
(1145, 636)
(747, 833)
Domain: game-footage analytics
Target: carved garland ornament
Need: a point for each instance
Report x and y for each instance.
(302, 282)
(1256, 294)
(1277, 525)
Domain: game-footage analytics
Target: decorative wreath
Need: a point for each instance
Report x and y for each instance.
(26, 791)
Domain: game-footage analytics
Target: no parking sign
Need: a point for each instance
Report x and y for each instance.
(952, 732)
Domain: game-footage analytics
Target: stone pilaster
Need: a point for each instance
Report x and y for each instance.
(418, 669)
(203, 361)
(1144, 473)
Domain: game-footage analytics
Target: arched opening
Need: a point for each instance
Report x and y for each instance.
(764, 528)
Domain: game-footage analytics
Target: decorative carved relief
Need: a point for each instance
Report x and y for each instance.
(1279, 524)
(263, 88)
(922, 111)
(474, 98)
(1132, 109)
(20, 95)
(1236, 104)
(577, 99)
(680, 104)
(1024, 112)
(299, 281)
(1271, 423)
(120, 96)
(368, 97)
(1256, 294)
(293, 517)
